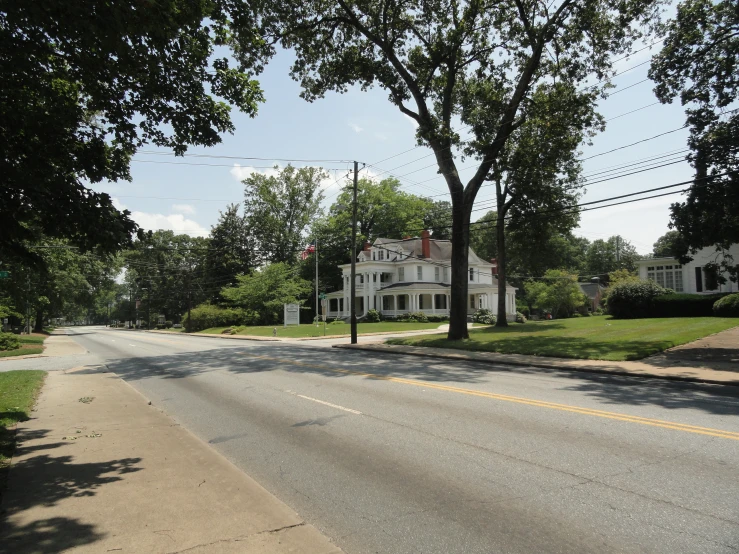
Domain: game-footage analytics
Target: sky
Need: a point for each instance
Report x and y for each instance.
(171, 193)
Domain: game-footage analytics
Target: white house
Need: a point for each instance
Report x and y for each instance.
(412, 275)
(691, 277)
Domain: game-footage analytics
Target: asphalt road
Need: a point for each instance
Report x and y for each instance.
(394, 454)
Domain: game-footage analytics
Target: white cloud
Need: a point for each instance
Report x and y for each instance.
(173, 222)
(356, 128)
(413, 121)
(183, 208)
(241, 172)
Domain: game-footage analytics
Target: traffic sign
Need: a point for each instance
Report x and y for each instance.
(4, 274)
(322, 295)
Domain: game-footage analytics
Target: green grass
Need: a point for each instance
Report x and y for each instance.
(30, 344)
(592, 338)
(307, 330)
(18, 392)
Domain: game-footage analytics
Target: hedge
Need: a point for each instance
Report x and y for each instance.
(633, 299)
(206, 316)
(684, 305)
(728, 306)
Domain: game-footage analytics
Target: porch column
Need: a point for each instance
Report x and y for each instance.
(395, 304)
(433, 303)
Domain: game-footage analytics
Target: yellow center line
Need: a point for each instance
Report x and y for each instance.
(520, 400)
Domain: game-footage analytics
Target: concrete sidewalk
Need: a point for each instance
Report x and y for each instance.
(655, 366)
(99, 470)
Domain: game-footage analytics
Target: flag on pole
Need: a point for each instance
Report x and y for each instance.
(310, 249)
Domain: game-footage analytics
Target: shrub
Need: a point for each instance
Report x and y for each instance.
(413, 317)
(168, 324)
(684, 305)
(633, 299)
(161, 326)
(206, 315)
(437, 318)
(520, 318)
(728, 306)
(9, 341)
(484, 316)
(373, 316)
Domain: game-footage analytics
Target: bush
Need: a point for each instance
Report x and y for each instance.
(484, 316)
(520, 318)
(161, 326)
(205, 316)
(168, 324)
(413, 317)
(437, 318)
(684, 305)
(633, 299)
(728, 306)
(9, 341)
(373, 316)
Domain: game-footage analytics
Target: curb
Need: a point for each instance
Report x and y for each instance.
(543, 365)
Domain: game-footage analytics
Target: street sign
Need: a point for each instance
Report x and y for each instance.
(4, 274)
(322, 295)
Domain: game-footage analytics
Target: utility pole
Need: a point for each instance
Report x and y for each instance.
(189, 304)
(353, 291)
(315, 251)
(28, 303)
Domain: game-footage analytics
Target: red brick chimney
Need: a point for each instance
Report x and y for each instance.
(425, 244)
(367, 246)
(495, 266)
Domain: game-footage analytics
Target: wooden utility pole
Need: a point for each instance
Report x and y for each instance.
(352, 284)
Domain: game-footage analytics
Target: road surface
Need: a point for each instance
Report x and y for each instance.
(395, 454)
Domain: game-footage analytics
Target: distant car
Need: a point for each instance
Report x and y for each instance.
(177, 326)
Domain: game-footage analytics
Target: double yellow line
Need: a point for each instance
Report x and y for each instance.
(731, 435)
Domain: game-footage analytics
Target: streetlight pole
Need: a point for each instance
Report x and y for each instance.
(353, 290)
(315, 252)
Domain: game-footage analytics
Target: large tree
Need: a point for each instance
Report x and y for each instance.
(477, 61)
(699, 63)
(668, 245)
(279, 208)
(605, 256)
(85, 84)
(230, 249)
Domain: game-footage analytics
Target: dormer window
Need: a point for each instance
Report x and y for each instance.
(382, 255)
(373, 255)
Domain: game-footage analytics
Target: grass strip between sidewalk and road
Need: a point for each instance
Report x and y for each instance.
(18, 393)
(332, 329)
(588, 338)
(30, 344)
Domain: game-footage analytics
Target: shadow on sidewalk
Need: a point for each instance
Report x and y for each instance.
(43, 480)
(613, 389)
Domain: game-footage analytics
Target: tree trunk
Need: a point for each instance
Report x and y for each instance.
(461, 212)
(501, 320)
(39, 325)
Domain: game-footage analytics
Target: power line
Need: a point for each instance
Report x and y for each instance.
(159, 153)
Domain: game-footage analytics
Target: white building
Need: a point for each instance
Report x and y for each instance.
(412, 275)
(689, 278)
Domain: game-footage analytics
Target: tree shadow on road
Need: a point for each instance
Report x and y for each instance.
(340, 364)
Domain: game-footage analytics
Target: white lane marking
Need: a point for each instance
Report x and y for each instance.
(326, 403)
(132, 345)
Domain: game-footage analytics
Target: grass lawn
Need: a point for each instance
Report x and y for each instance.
(307, 330)
(593, 338)
(30, 344)
(18, 392)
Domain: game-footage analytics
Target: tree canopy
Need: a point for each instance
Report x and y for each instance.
(279, 208)
(87, 83)
(668, 245)
(699, 63)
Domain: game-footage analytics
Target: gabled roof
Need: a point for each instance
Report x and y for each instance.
(591, 289)
(440, 250)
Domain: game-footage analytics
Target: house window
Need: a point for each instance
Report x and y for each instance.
(420, 302)
(669, 280)
(437, 269)
(341, 304)
(472, 275)
(650, 275)
(382, 255)
(472, 301)
(401, 274)
(678, 280)
(698, 279)
(660, 277)
(446, 274)
(373, 255)
(374, 277)
(361, 279)
(419, 272)
(401, 302)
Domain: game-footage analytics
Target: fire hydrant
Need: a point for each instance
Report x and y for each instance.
(274, 332)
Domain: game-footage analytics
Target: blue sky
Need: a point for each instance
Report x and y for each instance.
(366, 127)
